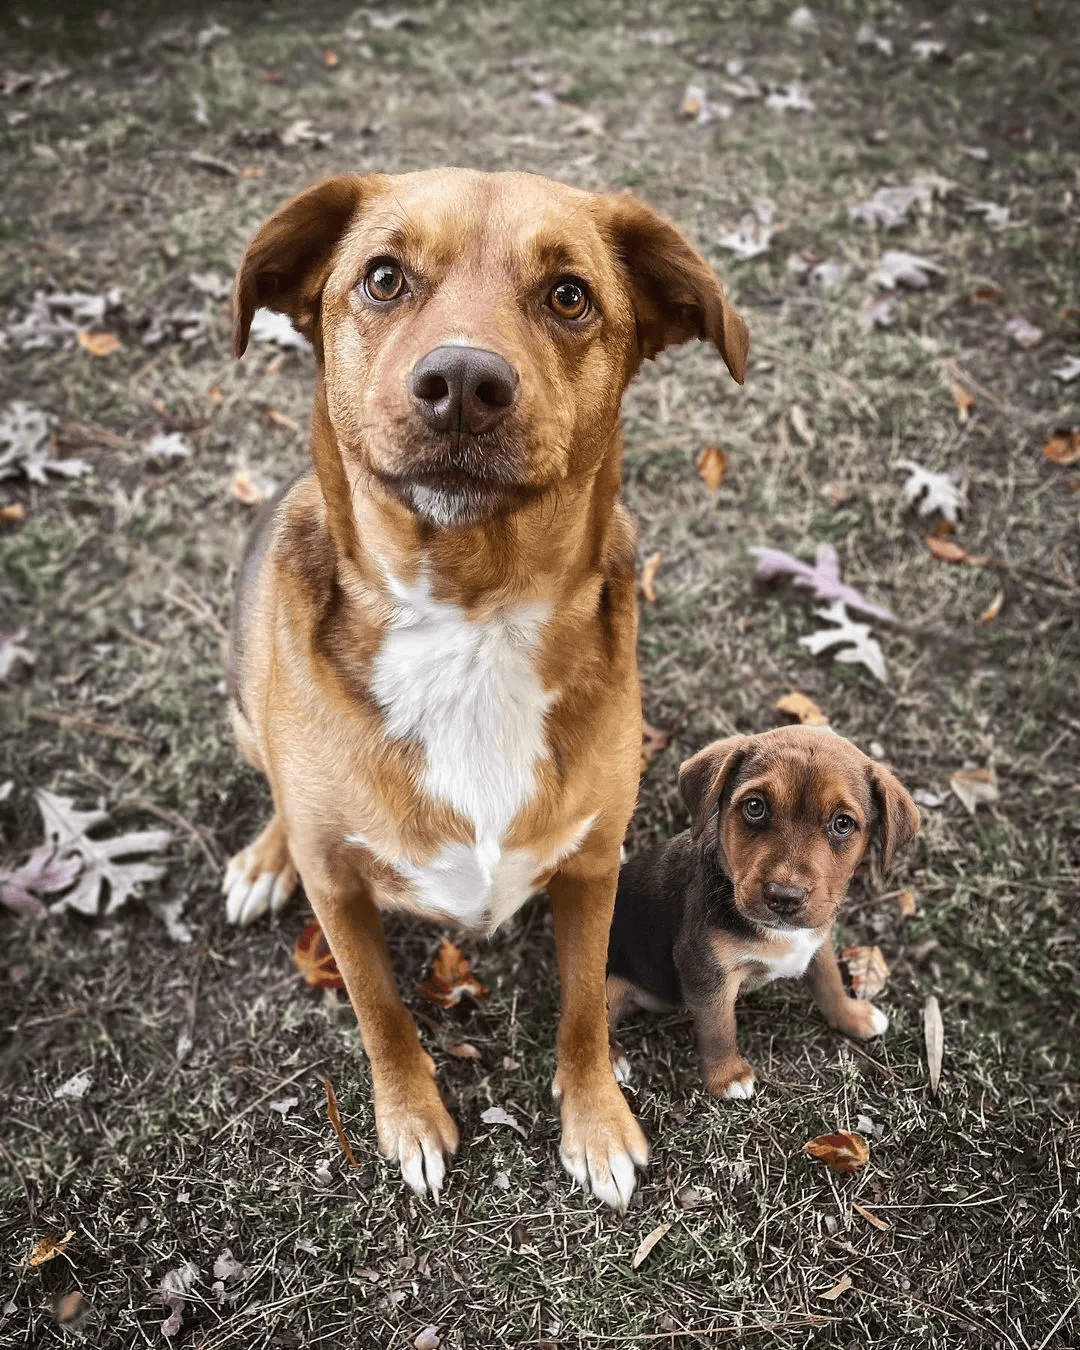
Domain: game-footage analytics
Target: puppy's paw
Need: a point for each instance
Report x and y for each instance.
(602, 1144)
(416, 1131)
(260, 878)
(620, 1065)
(732, 1080)
(855, 1017)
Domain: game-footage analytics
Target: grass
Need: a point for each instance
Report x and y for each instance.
(121, 580)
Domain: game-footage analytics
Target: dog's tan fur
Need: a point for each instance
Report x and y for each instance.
(542, 532)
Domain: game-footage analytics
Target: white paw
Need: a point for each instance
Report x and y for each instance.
(423, 1167)
(248, 898)
(611, 1179)
(739, 1089)
(603, 1147)
(879, 1023)
(620, 1067)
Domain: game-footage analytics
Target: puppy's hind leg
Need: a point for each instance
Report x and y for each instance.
(261, 877)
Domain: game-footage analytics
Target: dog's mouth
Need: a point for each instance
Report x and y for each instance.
(465, 489)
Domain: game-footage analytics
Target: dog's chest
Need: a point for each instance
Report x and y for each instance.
(470, 694)
(787, 956)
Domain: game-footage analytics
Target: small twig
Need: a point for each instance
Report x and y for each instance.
(199, 609)
(208, 846)
(334, 1116)
(87, 724)
(268, 1093)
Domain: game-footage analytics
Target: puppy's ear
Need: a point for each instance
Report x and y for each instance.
(898, 818)
(677, 295)
(288, 261)
(703, 778)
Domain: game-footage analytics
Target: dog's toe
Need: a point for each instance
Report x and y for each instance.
(740, 1089)
(603, 1147)
(260, 878)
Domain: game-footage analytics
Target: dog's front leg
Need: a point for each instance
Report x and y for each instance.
(413, 1126)
(853, 1016)
(602, 1143)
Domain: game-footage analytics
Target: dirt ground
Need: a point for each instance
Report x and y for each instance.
(140, 146)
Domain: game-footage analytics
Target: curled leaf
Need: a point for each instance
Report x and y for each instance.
(712, 465)
(843, 1151)
(975, 787)
(98, 344)
(451, 978)
(44, 1249)
(333, 1114)
(1063, 447)
(866, 969)
(314, 959)
(647, 1244)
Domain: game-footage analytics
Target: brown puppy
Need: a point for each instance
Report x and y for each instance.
(433, 649)
(749, 893)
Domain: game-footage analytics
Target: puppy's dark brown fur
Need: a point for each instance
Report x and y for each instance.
(749, 893)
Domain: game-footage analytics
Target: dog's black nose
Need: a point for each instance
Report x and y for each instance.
(784, 899)
(462, 388)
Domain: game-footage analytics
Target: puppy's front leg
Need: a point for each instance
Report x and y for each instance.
(411, 1122)
(853, 1016)
(602, 1143)
(710, 995)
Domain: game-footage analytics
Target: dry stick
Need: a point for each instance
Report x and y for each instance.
(200, 609)
(87, 724)
(334, 1116)
(268, 1093)
(175, 818)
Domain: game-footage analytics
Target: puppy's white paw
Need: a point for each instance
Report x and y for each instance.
(620, 1066)
(879, 1023)
(739, 1089)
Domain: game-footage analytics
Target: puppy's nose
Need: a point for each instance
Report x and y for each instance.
(784, 899)
(462, 388)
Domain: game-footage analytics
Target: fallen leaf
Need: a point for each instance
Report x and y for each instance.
(867, 37)
(842, 1285)
(866, 969)
(1068, 370)
(975, 787)
(929, 491)
(282, 1105)
(992, 610)
(98, 344)
(790, 98)
(997, 217)
(803, 19)
(253, 488)
(920, 951)
(801, 426)
(25, 445)
(648, 576)
(226, 1267)
(70, 1306)
(75, 1087)
(333, 1115)
(1063, 447)
(853, 640)
(755, 232)
(495, 1115)
(314, 959)
(47, 1247)
(646, 1245)
(934, 1032)
(948, 550)
(463, 1050)
(1023, 333)
(898, 268)
(963, 400)
(835, 491)
(823, 578)
(871, 1218)
(451, 978)
(890, 206)
(303, 132)
(879, 312)
(331, 58)
(907, 903)
(428, 1339)
(843, 1151)
(12, 651)
(168, 446)
(689, 1197)
(173, 1293)
(929, 50)
(802, 709)
(653, 740)
(12, 513)
(712, 465)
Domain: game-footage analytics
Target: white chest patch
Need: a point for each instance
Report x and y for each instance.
(469, 693)
(802, 943)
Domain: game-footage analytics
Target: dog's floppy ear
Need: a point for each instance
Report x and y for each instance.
(288, 261)
(677, 295)
(898, 817)
(703, 778)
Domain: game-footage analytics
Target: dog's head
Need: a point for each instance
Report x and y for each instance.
(476, 331)
(791, 814)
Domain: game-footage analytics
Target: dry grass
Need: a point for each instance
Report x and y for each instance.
(122, 579)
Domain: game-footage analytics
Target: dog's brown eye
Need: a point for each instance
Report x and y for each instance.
(843, 826)
(754, 810)
(384, 281)
(570, 299)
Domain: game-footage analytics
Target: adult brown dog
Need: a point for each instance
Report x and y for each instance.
(433, 649)
(779, 822)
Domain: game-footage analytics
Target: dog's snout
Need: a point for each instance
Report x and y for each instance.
(463, 388)
(784, 899)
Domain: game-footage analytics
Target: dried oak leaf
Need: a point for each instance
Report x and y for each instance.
(802, 709)
(712, 465)
(843, 1151)
(648, 576)
(653, 740)
(842, 1285)
(314, 959)
(866, 969)
(451, 978)
(975, 787)
(44, 1249)
(98, 344)
(1063, 447)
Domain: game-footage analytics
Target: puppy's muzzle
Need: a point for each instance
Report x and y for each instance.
(784, 901)
(465, 390)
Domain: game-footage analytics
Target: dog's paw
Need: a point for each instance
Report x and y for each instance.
(733, 1080)
(855, 1017)
(620, 1065)
(260, 878)
(602, 1145)
(416, 1131)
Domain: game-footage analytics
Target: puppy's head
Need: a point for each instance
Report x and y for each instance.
(791, 814)
(476, 331)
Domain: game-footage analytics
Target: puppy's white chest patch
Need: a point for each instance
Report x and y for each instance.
(470, 694)
(789, 964)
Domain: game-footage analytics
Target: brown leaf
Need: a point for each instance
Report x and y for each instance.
(463, 1050)
(451, 978)
(946, 549)
(333, 1115)
(712, 464)
(280, 419)
(12, 513)
(934, 1032)
(963, 400)
(842, 1285)
(906, 903)
(331, 58)
(99, 344)
(46, 1248)
(647, 1244)
(70, 1306)
(802, 709)
(975, 787)
(992, 610)
(1063, 447)
(653, 740)
(648, 576)
(866, 969)
(251, 489)
(982, 295)
(843, 1151)
(314, 959)
(691, 104)
(871, 1218)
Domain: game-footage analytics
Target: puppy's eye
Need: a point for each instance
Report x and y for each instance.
(754, 810)
(384, 280)
(569, 298)
(842, 826)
